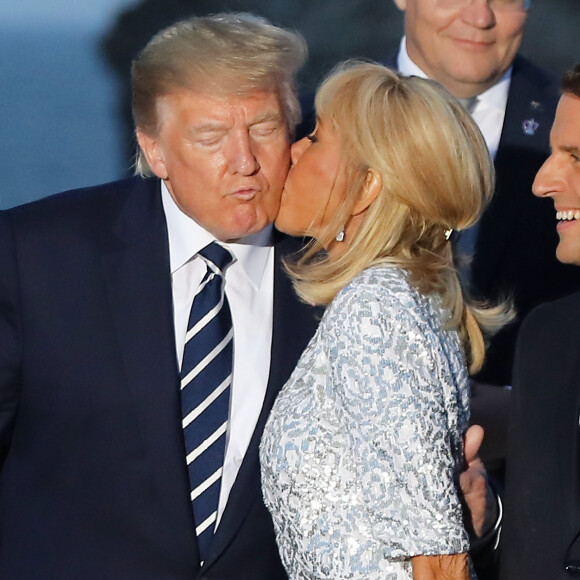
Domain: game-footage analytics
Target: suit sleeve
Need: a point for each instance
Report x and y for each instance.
(540, 481)
(10, 335)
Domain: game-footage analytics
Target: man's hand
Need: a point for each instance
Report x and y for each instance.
(473, 480)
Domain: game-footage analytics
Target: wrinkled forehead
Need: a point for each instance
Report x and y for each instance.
(231, 87)
(226, 81)
(209, 105)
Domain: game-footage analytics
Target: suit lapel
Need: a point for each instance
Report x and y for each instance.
(139, 285)
(294, 323)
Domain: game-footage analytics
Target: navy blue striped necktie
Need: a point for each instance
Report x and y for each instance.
(206, 377)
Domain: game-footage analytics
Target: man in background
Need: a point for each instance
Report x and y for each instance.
(471, 47)
(541, 537)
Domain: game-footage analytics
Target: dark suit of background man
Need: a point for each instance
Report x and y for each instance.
(541, 539)
(95, 290)
(471, 47)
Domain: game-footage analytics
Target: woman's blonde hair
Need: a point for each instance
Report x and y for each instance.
(231, 54)
(436, 175)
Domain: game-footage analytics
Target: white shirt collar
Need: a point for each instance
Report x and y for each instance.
(496, 96)
(187, 238)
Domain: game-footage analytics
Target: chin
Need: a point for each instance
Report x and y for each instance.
(248, 222)
(566, 256)
(284, 229)
(281, 226)
(289, 229)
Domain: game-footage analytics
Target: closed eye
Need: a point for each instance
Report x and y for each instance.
(209, 142)
(264, 129)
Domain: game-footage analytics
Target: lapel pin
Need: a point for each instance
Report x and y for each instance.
(535, 104)
(530, 126)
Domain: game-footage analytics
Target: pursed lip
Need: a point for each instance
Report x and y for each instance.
(245, 193)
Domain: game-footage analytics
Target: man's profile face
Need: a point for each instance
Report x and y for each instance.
(224, 158)
(559, 178)
(467, 48)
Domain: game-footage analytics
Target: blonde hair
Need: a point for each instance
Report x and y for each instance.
(232, 54)
(436, 175)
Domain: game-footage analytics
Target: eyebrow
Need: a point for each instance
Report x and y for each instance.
(219, 126)
(208, 127)
(570, 149)
(267, 118)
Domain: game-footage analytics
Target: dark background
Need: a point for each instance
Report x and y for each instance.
(64, 97)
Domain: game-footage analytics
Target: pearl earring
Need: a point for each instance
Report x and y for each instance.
(340, 236)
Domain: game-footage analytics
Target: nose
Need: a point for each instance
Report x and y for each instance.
(298, 148)
(478, 13)
(549, 179)
(242, 157)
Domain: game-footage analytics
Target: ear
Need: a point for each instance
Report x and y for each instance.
(401, 4)
(370, 191)
(153, 153)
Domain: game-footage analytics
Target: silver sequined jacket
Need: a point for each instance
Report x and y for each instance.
(361, 453)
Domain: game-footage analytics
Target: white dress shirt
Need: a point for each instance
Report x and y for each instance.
(489, 112)
(250, 292)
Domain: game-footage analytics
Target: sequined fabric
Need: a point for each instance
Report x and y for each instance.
(363, 446)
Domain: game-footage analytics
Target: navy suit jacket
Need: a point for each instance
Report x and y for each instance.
(515, 254)
(542, 505)
(93, 482)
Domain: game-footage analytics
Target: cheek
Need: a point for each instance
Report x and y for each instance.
(298, 187)
(276, 174)
(429, 26)
(276, 164)
(296, 207)
(195, 189)
(575, 184)
(511, 38)
(188, 166)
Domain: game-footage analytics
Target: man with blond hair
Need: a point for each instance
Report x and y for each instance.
(96, 288)
(147, 325)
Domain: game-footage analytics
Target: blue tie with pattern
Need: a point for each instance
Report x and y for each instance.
(206, 376)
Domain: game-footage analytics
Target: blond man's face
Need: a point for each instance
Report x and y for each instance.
(224, 159)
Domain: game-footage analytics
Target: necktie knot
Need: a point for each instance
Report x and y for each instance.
(217, 255)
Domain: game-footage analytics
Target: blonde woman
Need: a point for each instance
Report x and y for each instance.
(363, 448)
